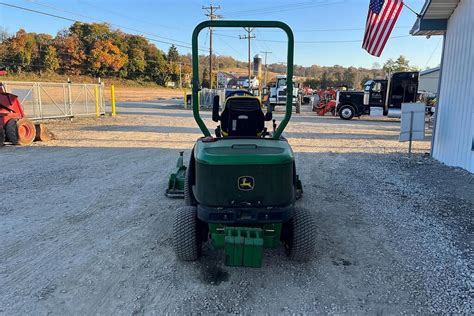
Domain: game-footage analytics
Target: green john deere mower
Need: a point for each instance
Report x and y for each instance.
(241, 185)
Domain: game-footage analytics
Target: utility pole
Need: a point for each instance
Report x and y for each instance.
(212, 16)
(248, 37)
(180, 81)
(266, 53)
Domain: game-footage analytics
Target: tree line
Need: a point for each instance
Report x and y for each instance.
(92, 49)
(95, 49)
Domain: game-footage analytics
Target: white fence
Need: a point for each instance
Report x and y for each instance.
(43, 100)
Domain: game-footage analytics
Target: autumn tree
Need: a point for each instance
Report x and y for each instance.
(137, 46)
(400, 64)
(136, 63)
(156, 67)
(106, 58)
(50, 60)
(71, 51)
(90, 33)
(20, 51)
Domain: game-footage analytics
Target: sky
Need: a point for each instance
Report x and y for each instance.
(327, 32)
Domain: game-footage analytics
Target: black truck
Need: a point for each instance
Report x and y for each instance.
(380, 96)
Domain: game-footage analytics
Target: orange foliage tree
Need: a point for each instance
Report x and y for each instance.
(106, 58)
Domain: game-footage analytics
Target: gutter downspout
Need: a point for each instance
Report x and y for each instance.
(435, 121)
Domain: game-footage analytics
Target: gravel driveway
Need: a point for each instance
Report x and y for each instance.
(85, 227)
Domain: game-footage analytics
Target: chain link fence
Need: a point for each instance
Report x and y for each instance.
(45, 100)
(207, 97)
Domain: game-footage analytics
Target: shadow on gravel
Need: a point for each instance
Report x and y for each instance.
(164, 105)
(188, 114)
(187, 130)
(138, 128)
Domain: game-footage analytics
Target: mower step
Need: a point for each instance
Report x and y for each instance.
(176, 180)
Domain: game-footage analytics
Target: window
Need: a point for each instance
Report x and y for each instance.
(281, 82)
(377, 87)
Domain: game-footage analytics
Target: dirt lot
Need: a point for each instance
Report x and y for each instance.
(85, 226)
(124, 93)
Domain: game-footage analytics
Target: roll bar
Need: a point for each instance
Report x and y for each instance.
(236, 23)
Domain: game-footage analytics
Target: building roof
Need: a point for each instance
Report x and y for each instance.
(232, 82)
(429, 71)
(227, 74)
(433, 19)
(245, 77)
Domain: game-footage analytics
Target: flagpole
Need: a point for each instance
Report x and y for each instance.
(417, 14)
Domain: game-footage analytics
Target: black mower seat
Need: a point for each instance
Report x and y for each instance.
(242, 116)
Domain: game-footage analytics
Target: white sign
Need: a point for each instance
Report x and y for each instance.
(413, 122)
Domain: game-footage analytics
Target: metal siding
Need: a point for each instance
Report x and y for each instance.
(429, 82)
(455, 119)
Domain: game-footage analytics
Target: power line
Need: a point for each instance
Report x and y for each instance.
(330, 30)
(73, 20)
(103, 21)
(282, 8)
(128, 16)
(232, 47)
(268, 8)
(309, 42)
(432, 53)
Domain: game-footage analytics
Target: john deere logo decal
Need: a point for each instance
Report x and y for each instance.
(246, 183)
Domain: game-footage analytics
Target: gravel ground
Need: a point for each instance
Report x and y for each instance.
(85, 227)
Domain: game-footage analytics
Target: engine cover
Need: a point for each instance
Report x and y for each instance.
(244, 173)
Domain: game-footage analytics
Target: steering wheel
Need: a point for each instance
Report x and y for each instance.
(245, 92)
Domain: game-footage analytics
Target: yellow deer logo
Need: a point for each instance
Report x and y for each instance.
(246, 183)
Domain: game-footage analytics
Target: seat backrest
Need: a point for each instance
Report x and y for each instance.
(242, 116)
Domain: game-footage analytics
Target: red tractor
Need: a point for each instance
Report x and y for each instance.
(14, 127)
(327, 102)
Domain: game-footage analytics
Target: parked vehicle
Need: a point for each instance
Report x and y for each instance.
(278, 94)
(14, 126)
(380, 96)
(240, 187)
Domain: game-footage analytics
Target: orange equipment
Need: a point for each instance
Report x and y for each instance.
(326, 103)
(14, 126)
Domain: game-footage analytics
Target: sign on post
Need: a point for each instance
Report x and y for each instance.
(412, 126)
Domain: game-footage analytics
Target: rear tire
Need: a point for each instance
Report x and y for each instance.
(189, 180)
(20, 132)
(186, 236)
(10, 131)
(300, 236)
(2, 136)
(346, 112)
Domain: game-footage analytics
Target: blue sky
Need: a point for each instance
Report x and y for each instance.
(313, 21)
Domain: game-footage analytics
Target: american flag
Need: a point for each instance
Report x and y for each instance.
(381, 19)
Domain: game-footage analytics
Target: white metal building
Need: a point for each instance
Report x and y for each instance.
(429, 80)
(453, 139)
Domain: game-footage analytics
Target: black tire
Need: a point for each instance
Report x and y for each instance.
(2, 136)
(299, 236)
(189, 181)
(11, 131)
(186, 236)
(346, 112)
